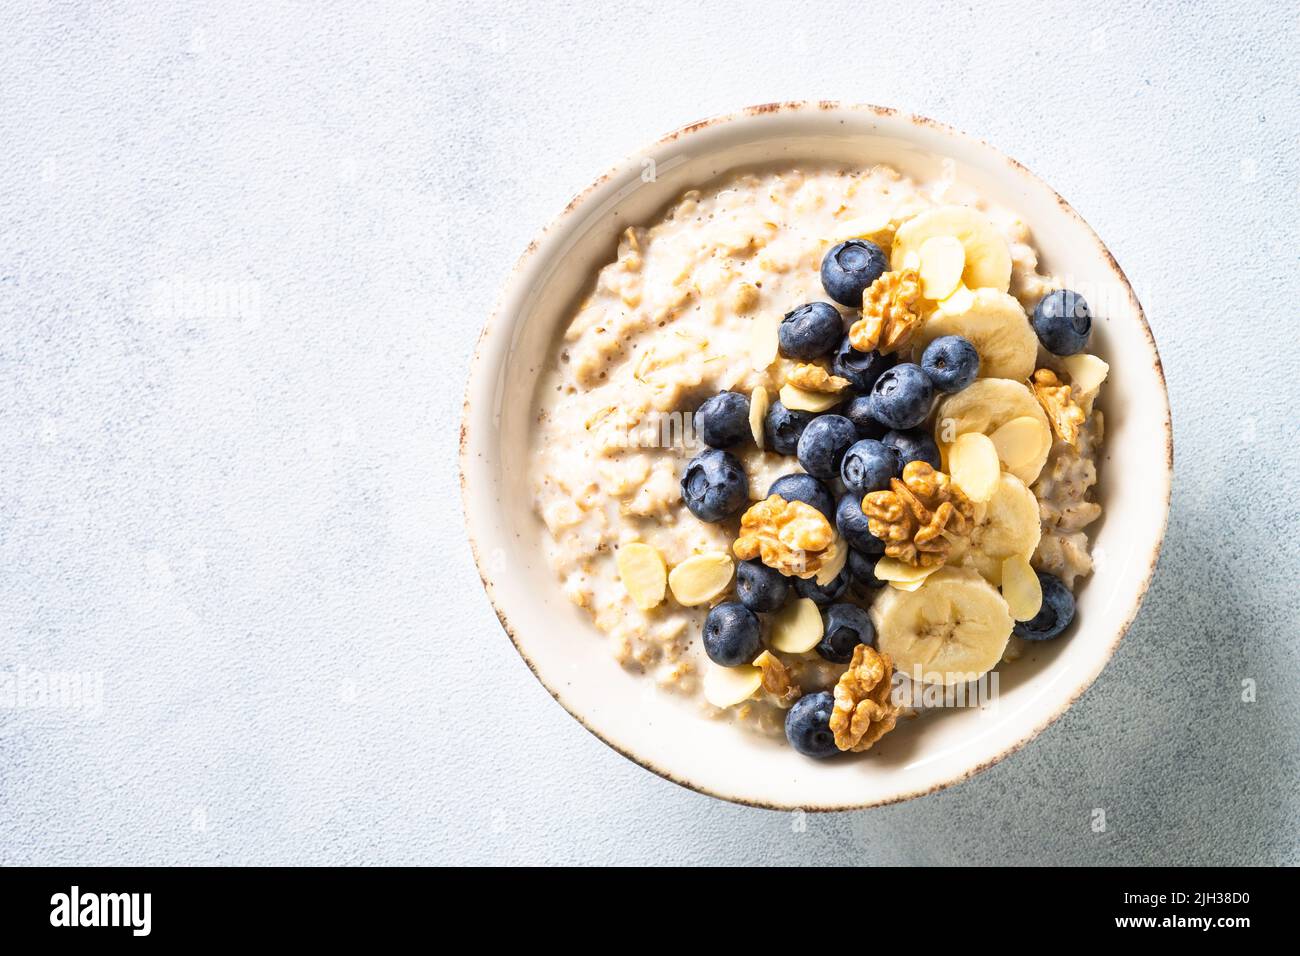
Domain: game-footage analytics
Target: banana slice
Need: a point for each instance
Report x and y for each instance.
(1006, 525)
(643, 573)
(950, 630)
(701, 578)
(988, 257)
(985, 407)
(728, 686)
(995, 324)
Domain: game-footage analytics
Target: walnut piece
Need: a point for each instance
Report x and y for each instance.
(789, 536)
(889, 313)
(776, 679)
(863, 710)
(920, 517)
(1057, 400)
(814, 378)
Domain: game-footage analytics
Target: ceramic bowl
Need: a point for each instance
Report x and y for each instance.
(570, 657)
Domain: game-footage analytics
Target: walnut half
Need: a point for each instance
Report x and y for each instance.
(776, 679)
(889, 313)
(814, 378)
(1058, 401)
(864, 711)
(788, 536)
(920, 516)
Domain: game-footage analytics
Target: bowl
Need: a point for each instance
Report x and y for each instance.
(564, 649)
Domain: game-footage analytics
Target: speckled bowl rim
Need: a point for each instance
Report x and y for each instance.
(807, 106)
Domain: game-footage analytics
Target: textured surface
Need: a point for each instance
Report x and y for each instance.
(243, 259)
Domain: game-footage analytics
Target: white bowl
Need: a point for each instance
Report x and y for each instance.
(571, 658)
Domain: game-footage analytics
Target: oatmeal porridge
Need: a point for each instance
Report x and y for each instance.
(816, 434)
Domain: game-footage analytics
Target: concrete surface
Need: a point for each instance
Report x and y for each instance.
(244, 255)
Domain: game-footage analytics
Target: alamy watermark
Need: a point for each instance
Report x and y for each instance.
(185, 298)
(922, 689)
(656, 430)
(24, 689)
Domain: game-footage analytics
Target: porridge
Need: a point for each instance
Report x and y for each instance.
(816, 434)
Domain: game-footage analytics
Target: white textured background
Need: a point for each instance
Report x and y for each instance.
(247, 520)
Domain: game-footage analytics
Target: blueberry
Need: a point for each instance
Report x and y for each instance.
(782, 428)
(860, 368)
(822, 595)
(761, 588)
(862, 569)
(714, 485)
(901, 396)
(808, 725)
(951, 362)
(852, 525)
(810, 331)
(823, 444)
(807, 489)
(913, 445)
(1054, 616)
(858, 411)
(849, 269)
(723, 420)
(1063, 322)
(731, 634)
(845, 626)
(868, 465)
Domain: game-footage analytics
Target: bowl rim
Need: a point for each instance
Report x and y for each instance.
(497, 317)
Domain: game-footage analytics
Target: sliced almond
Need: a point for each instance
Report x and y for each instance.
(974, 466)
(763, 342)
(961, 301)
(908, 586)
(873, 227)
(701, 577)
(758, 405)
(797, 627)
(643, 573)
(1086, 373)
(900, 574)
(833, 560)
(728, 686)
(802, 400)
(1021, 441)
(1021, 588)
(943, 259)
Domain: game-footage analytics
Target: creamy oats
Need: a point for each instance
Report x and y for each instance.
(690, 307)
